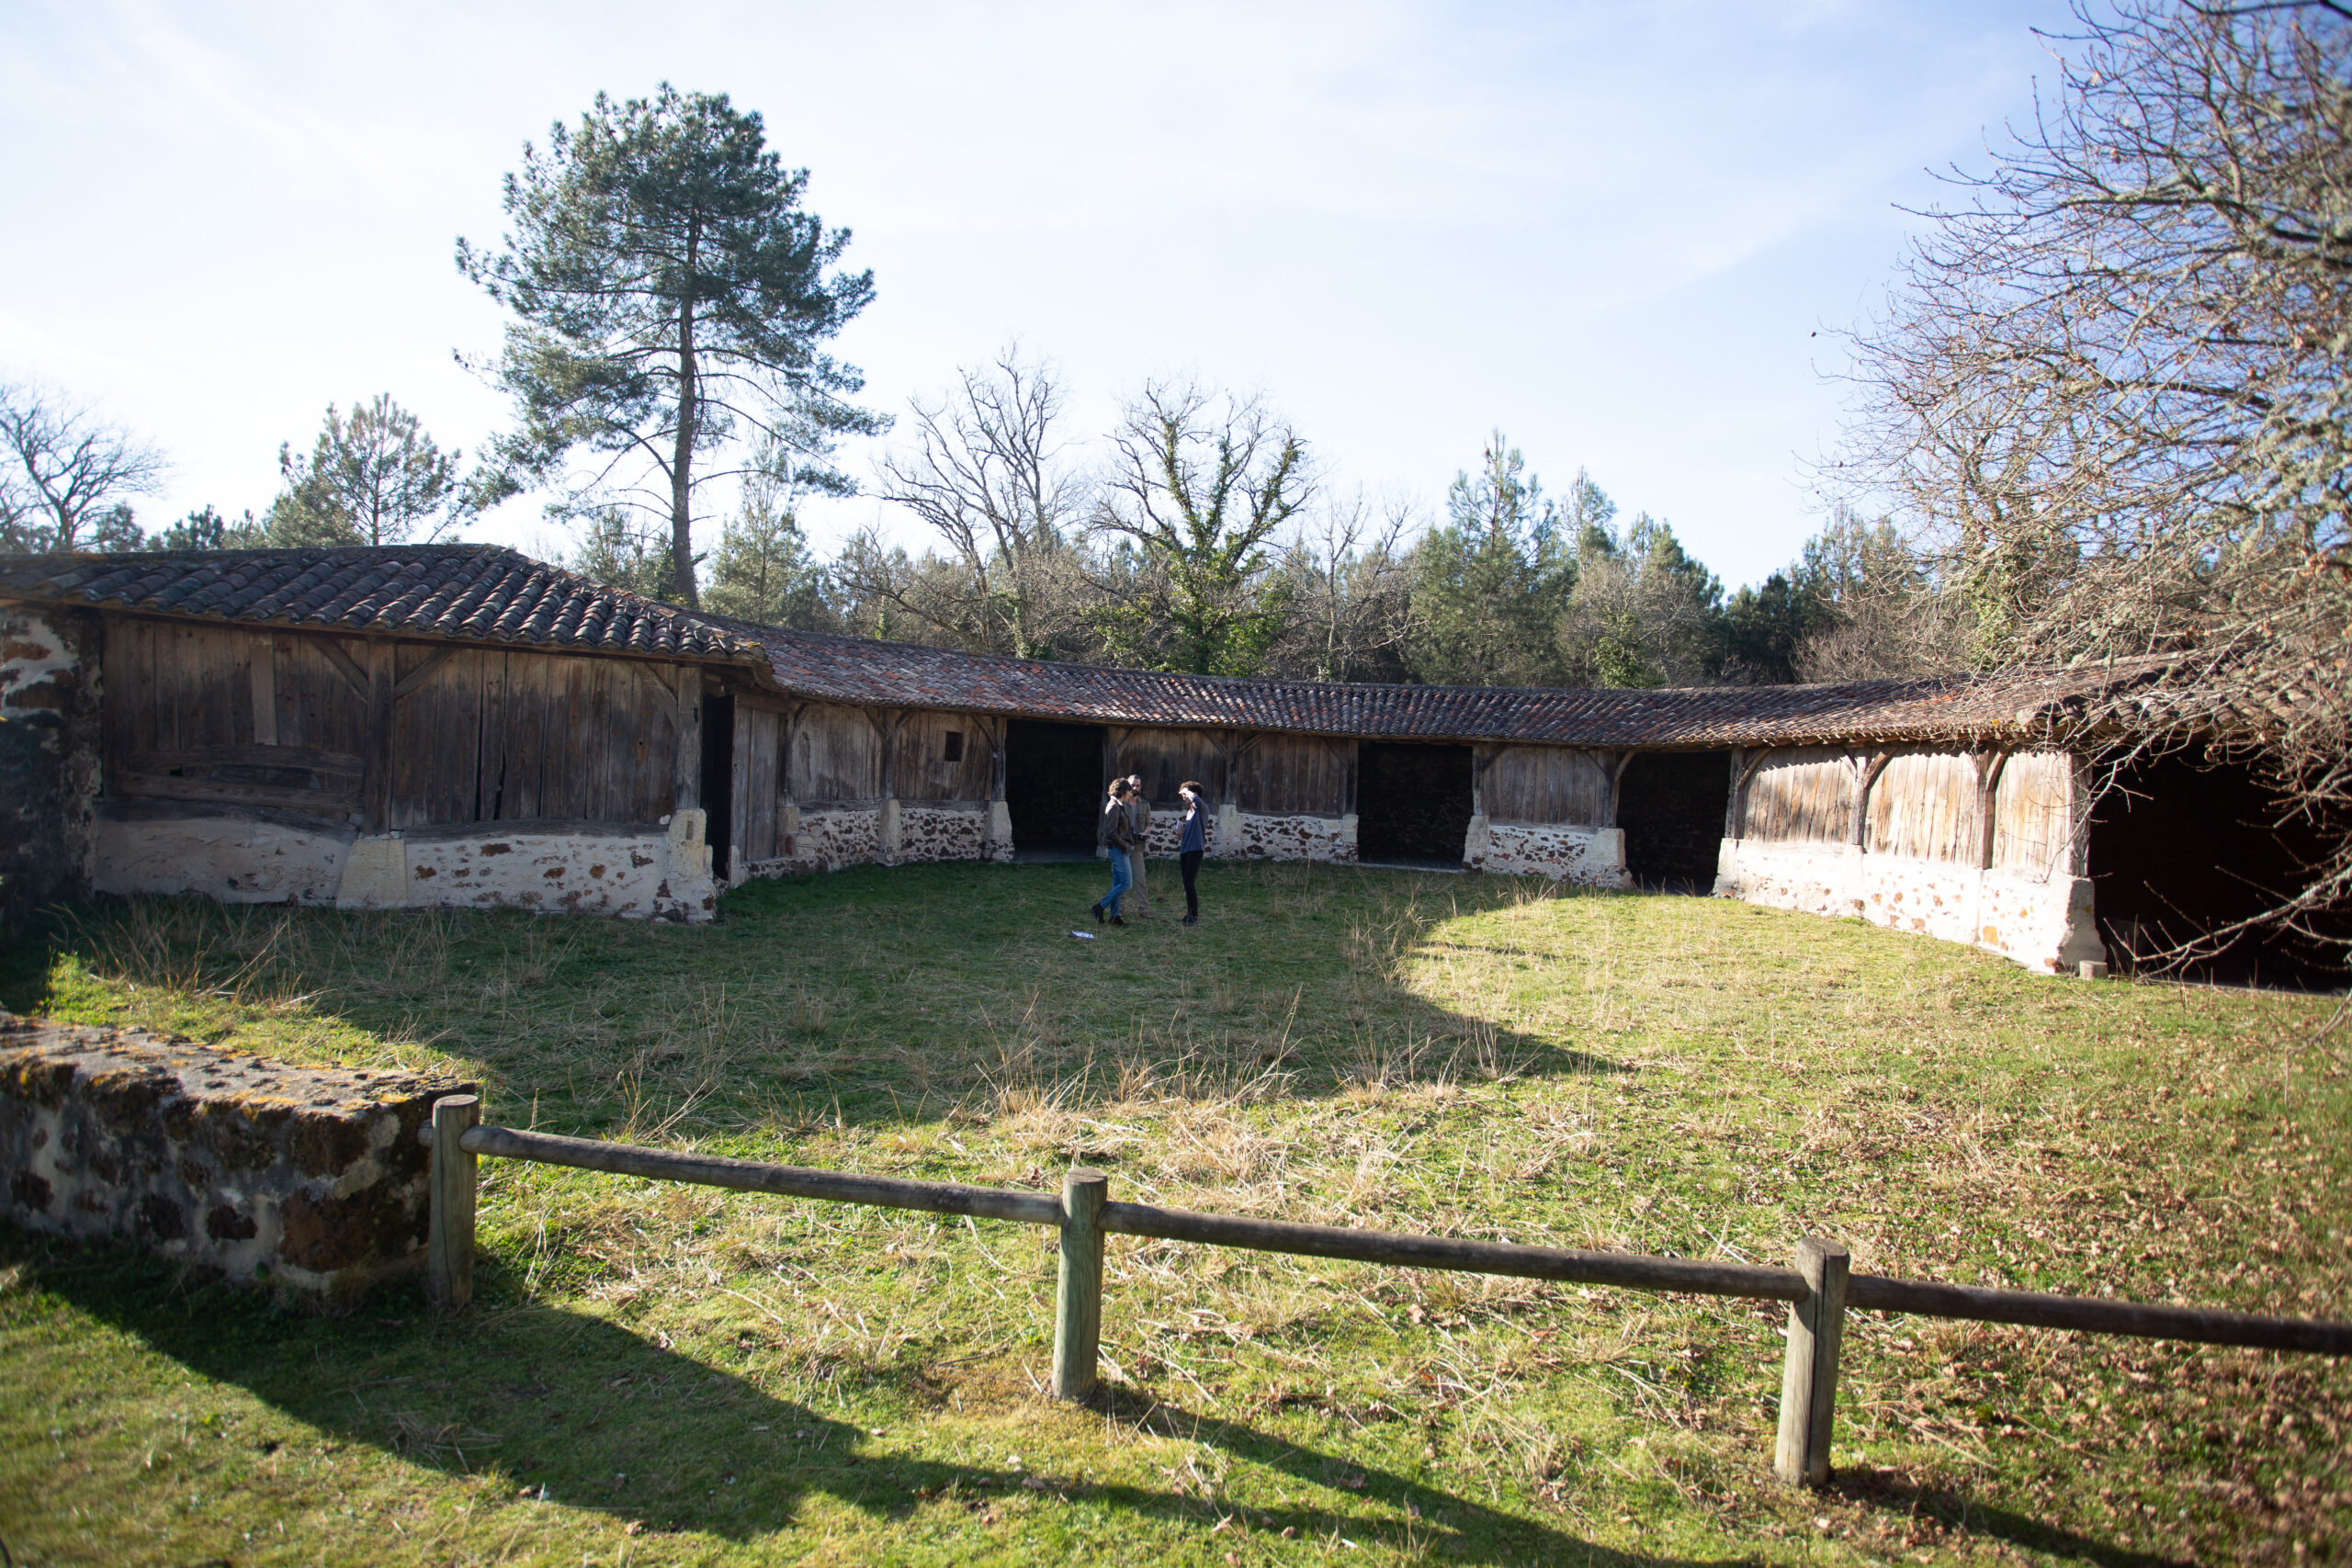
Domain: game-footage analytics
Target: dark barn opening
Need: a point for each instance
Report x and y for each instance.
(1053, 785)
(1412, 802)
(2181, 849)
(1671, 805)
(718, 776)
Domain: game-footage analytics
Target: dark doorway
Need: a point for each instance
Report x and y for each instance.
(1670, 804)
(1053, 785)
(718, 776)
(2181, 848)
(1412, 804)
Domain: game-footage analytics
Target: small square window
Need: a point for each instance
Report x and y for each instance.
(954, 746)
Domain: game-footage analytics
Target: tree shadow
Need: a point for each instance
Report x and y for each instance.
(1892, 1491)
(582, 1411)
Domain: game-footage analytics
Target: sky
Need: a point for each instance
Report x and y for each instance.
(1626, 235)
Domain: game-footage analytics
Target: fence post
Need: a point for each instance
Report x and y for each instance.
(450, 1245)
(1809, 1376)
(1078, 1305)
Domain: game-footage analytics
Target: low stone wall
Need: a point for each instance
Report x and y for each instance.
(1594, 856)
(2048, 925)
(831, 839)
(234, 854)
(312, 1178)
(936, 833)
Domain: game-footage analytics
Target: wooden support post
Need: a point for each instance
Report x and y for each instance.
(685, 779)
(377, 798)
(1809, 1376)
(1078, 1305)
(449, 1245)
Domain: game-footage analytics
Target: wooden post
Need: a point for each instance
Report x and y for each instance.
(1078, 1305)
(449, 1246)
(685, 779)
(376, 803)
(1809, 1376)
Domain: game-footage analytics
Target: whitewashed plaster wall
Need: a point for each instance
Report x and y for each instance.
(223, 856)
(2044, 923)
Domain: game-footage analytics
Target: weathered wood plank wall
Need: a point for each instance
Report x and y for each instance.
(2033, 815)
(1166, 758)
(1803, 794)
(921, 770)
(757, 793)
(836, 757)
(1924, 806)
(1545, 786)
(1296, 775)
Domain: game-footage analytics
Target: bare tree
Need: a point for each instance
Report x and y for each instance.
(986, 474)
(1350, 592)
(1200, 488)
(67, 473)
(2112, 385)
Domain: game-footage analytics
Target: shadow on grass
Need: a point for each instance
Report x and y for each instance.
(588, 1415)
(1891, 1491)
(884, 995)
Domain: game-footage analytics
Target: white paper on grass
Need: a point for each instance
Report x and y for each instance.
(1083, 936)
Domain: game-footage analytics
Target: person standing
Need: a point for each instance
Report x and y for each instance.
(1139, 820)
(1119, 839)
(1191, 845)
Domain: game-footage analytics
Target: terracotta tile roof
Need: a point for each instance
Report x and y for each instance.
(485, 593)
(473, 592)
(853, 670)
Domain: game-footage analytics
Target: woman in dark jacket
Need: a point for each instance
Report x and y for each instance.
(1192, 846)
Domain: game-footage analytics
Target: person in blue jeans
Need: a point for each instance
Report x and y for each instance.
(1192, 846)
(1119, 834)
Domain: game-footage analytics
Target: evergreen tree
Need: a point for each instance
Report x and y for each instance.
(669, 296)
(373, 478)
(763, 570)
(1490, 584)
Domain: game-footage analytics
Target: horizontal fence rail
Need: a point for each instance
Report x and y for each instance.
(1819, 1290)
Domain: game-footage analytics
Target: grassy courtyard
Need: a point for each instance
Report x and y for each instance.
(655, 1374)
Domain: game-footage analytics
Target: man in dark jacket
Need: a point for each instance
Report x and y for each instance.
(1140, 823)
(1119, 838)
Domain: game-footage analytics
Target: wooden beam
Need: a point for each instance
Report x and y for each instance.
(332, 802)
(345, 665)
(1743, 774)
(262, 674)
(377, 787)
(1989, 784)
(423, 673)
(686, 787)
(1866, 773)
(245, 756)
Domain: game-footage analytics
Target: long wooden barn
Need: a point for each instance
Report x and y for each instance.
(459, 725)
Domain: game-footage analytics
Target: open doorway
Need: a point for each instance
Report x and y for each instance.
(1670, 804)
(718, 777)
(1053, 787)
(1412, 804)
(2180, 848)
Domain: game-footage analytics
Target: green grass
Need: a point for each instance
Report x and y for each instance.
(662, 1374)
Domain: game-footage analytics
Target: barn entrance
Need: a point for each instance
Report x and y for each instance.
(1412, 804)
(718, 777)
(1053, 788)
(2181, 849)
(1671, 805)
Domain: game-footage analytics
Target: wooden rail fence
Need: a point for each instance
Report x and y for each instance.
(1819, 1290)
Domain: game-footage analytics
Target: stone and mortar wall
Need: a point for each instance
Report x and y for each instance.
(2045, 924)
(1245, 835)
(935, 833)
(654, 872)
(49, 757)
(1594, 856)
(311, 1179)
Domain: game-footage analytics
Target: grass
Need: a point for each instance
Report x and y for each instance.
(656, 1374)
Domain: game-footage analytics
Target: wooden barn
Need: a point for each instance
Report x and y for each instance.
(445, 726)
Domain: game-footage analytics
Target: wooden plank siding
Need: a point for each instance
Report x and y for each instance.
(478, 735)
(1546, 785)
(1802, 793)
(836, 757)
(2033, 811)
(1924, 806)
(1166, 758)
(921, 771)
(756, 797)
(1296, 775)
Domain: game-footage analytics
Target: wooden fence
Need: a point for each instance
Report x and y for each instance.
(1819, 1290)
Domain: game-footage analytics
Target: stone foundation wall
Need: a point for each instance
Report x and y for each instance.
(934, 833)
(2046, 924)
(49, 762)
(830, 839)
(308, 1177)
(1594, 856)
(243, 857)
(1331, 840)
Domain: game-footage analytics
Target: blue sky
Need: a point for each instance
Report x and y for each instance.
(1611, 229)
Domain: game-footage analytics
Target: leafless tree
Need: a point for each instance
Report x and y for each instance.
(2111, 387)
(1350, 591)
(66, 474)
(986, 473)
